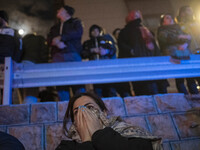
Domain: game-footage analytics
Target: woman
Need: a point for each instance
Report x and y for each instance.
(174, 42)
(136, 40)
(92, 130)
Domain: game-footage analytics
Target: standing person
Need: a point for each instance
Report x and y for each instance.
(123, 88)
(91, 129)
(99, 47)
(10, 40)
(65, 41)
(189, 25)
(174, 42)
(135, 40)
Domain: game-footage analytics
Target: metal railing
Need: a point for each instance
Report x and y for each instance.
(89, 72)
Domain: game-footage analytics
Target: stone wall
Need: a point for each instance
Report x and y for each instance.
(174, 117)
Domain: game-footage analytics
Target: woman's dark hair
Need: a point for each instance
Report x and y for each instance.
(69, 113)
(162, 17)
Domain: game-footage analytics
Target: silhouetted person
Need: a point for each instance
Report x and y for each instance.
(10, 41)
(100, 47)
(65, 41)
(174, 42)
(135, 40)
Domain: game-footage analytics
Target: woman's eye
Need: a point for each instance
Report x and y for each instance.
(75, 112)
(89, 107)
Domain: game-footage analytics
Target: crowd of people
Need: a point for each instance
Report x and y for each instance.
(91, 127)
(177, 37)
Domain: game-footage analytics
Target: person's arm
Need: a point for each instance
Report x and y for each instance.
(108, 139)
(74, 33)
(86, 50)
(170, 38)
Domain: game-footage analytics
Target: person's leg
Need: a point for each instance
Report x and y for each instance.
(181, 86)
(98, 89)
(192, 86)
(152, 87)
(123, 89)
(63, 93)
(109, 90)
(162, 86)
(77, 89)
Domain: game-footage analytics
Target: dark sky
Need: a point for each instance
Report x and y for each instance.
(30, 15)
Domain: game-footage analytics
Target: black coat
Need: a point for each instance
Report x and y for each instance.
(131, 43)
(100, 41)
(71, 36)
(10, 44)
(107, 139)
(9, 142)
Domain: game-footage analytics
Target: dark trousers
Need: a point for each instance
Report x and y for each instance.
(105, 90)
(123, 89)
(192, 87)
(145, 88)
(64, 92)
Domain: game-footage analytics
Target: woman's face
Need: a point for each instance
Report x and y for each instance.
(168, 20)
(83, 101)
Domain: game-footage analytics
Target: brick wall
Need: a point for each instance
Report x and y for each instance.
(173, 117)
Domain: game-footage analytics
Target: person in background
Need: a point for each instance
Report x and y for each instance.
(99, 47)
(65, 42)
(135, 40)
(35, 49)
(116, 33)
(191, 26)
(92, 129)
(175, 43)
(10, 40)
(123, 88)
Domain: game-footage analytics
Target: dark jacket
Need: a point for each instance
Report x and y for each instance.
(131, 43)
(35, 49)
(168, 38)
(101, 41)
(9, 142)
(10, 44)
(71, 36)
(107, 139)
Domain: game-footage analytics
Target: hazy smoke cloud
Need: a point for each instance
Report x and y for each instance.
(31, 15)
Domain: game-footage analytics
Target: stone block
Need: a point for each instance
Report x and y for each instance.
(14, 114)
(54, 135)
(186, 145)
(43, 112)
(62, 107)
(139, 105)
(162, 126)
(188, 124)
(194, 100)
(172, 103)
(115, 106)
(30, 136)
(137, 121)
(166, 146)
